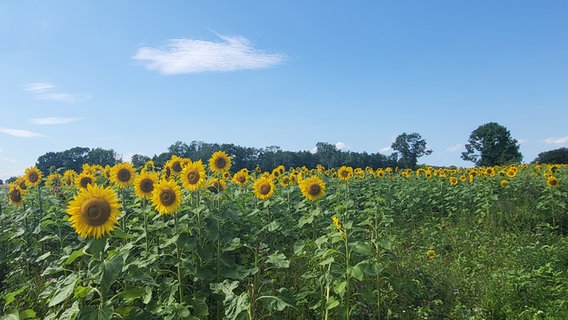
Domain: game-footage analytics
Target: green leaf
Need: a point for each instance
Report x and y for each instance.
(111, 270)
(339, 287)
(71, 312)
(327, 261)
(27, 314)
(73, 256)
(43, 256)
(11, 315)
(362, 248)
(331, 303)
(278, 260)
(233, 245)
(103, 313)
(81, 292)
(10, 297)
(65, 291)
(356, 272)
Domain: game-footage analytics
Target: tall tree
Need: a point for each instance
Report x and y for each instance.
(408, 148)
(491, 144)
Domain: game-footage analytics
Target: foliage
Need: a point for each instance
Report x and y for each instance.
(491, 144)
(408, 148)
(553, 156)
(431, 243)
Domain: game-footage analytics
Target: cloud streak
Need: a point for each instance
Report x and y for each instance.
(47, 91)
(560, 140)
(53, 120)
(179, 56)
(19, 133)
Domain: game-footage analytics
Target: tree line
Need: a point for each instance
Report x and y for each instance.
(489, 144)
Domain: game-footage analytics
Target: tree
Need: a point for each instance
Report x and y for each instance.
(101, 157)
(408, 148)
(491, 144)
(139, 160)
(556, 156)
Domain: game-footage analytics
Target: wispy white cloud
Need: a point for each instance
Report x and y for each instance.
(341, 146)
(457, 148)
(53, 120)
(560, 140)
(48, 91)
(19, 133)
(179, 56)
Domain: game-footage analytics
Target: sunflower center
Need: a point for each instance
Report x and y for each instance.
(314, 189)
(85, 181)
(23, 185)
(241, 179)
(264, 189)
(147, 185)
(95, 211)
(193, 177)
(167, 197)
(124, 175)
(177, 166)
(33, 177)
(220, 162)
(344, 174)
(15, 196)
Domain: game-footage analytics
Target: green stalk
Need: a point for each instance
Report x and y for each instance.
(180, 282)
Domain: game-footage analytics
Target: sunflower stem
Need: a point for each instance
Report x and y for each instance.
(180, 282)
(145, 212)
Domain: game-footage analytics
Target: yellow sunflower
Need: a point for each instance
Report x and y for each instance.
(144, 184)
(69, 177)
(53, 181)
(21, 182)
(193, 175)
(241, 177)
(176, 164)
(166, 196)
(453, 181)
(84, 179)
(220, 162)
(15, 194)
(313, 188)
(345, 173)
(216, 185)
(504, 183)
(94, 211)
(122, 174)
(264, 187)
(552, 181)
(33, 176)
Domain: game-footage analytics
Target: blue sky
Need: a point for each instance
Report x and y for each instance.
(137, 76)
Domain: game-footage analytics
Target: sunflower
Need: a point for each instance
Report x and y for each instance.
(345, 173)
(15, 194)
(380, 173)
(285, 180)
(176, 164)
(241, 177)
(21, 182)
(264, 187)
(84, 179)
(53, 181)
(122, 174)
(504, 183)
(94, 211)
(552, 181)
(144, 184)
(453, 181)
(219, 162)
(69, 177)
(313, 188)
(216, 185)
(193, 175)
(166, 196)
(33, 176)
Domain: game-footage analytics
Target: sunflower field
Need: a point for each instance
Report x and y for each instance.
(194, 240)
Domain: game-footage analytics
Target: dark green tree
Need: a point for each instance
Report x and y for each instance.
(101, 157)
(139, 160)
(491, 144)
(408, 148)
(556, 156)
